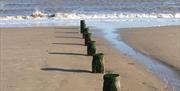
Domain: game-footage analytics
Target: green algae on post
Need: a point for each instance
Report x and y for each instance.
(87, 38)
(111, 82)
(98, 63)
(91, 48)
(85, 31)
(82, 25)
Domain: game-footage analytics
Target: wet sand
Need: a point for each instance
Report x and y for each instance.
(54, 59)
(162, 43)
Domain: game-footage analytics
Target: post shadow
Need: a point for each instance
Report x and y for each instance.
(67, 37)
(67, 44)
(63, 53)
(67, 32)
(74, 28)
(66, 70)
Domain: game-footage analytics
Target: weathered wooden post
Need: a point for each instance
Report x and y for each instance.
(87, 38)
(83, 25)
(91, 48)
(98, 63)
(111, 82)
(85, 31)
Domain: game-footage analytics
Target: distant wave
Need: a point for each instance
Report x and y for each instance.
(40, 15)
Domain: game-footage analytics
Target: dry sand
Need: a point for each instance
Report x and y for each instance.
(26, 51)
(162, 43)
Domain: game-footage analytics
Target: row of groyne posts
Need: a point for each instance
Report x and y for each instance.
(111, 80)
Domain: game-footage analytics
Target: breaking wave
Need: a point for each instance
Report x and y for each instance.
(40, 15)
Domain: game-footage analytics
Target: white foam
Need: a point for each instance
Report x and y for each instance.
(114, 15)
(177, 15)
(40, 15)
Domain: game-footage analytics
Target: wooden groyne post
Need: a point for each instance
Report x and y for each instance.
(111, 82)
(98, 63)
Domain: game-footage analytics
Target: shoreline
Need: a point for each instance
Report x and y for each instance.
(25, 51)
(147, 50)
(61, 15)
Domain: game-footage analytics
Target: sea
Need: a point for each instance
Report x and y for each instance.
(92, 8)
(49, 12)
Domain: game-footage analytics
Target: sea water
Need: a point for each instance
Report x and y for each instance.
(92, 8)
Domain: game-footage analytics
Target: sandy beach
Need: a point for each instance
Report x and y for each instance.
(162, 43)
(54, 59)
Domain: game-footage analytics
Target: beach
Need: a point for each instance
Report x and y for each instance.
(54, 59)
(162, 43)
